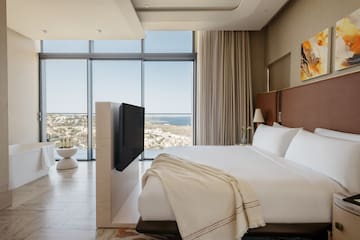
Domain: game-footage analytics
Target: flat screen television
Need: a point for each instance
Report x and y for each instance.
(129, 135)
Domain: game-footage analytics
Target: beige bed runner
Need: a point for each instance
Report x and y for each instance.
(207, 202)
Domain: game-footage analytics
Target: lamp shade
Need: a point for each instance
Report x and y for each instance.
(258, 117)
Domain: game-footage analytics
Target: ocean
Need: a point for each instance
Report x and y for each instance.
(170, 120)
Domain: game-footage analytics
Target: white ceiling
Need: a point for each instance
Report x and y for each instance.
(185, 5)
(128, 19)
(232, 15)
(74, 19)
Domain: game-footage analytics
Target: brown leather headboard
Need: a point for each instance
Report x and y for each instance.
(267, 102)
(332, 104)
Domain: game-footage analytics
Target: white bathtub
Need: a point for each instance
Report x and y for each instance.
(28, 162)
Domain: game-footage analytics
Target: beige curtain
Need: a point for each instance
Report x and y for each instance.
(224, 95)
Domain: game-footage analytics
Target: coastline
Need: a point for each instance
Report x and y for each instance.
(157, 135)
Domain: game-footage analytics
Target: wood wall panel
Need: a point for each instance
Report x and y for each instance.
(267, 102)
(331, 104)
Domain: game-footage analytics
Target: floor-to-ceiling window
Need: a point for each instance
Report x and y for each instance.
(168, 105)
(157, 73)
(115, 81)
(66, 99)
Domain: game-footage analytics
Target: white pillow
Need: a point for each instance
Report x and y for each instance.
(337, 159)
(273, 140)
(337, 134)
(278, 125)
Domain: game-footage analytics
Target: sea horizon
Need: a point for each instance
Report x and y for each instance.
(177, 120)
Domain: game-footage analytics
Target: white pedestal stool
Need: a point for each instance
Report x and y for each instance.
(67, 162)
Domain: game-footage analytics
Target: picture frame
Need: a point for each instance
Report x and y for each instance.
(315, 55)
(347, 41)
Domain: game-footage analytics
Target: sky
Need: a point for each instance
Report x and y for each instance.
(168, 86)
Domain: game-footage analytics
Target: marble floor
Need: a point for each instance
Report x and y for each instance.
(58, 206)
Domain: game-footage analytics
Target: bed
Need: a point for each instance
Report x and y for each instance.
(262, 170)
(288, 212)
(302, 198)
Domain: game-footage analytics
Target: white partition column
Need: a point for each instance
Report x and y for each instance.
(114, 189)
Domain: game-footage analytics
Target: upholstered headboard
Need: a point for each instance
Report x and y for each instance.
(332, 104)
(268, 104)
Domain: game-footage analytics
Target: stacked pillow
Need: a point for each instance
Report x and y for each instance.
(339, 135)
(334, 154)
(278, 125)
(273, 140)
(336, 158)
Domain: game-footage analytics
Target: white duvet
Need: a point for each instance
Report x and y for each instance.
(288, 193)
(235, 207)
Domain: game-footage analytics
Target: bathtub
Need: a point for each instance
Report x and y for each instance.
(28, 162)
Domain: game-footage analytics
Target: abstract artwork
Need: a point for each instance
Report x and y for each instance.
(347, 46)
(315, 56)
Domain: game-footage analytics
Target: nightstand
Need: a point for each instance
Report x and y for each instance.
(346, 219)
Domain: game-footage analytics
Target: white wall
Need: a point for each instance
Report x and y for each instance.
(258, 68)
(5, 195)
(23, 75)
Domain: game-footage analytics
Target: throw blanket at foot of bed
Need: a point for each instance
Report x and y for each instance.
(207, 202)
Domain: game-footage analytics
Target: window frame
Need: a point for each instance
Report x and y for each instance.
(85, 50)
(90, 56)
(171, 50)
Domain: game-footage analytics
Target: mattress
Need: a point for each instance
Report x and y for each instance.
(288, 192)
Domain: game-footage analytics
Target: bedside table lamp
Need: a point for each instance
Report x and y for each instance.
(258, 117)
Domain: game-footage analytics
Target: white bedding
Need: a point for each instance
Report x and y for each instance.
(288, 192)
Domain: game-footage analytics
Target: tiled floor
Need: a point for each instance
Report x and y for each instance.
(59, 206)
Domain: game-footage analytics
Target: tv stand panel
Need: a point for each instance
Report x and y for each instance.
(114, 189)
